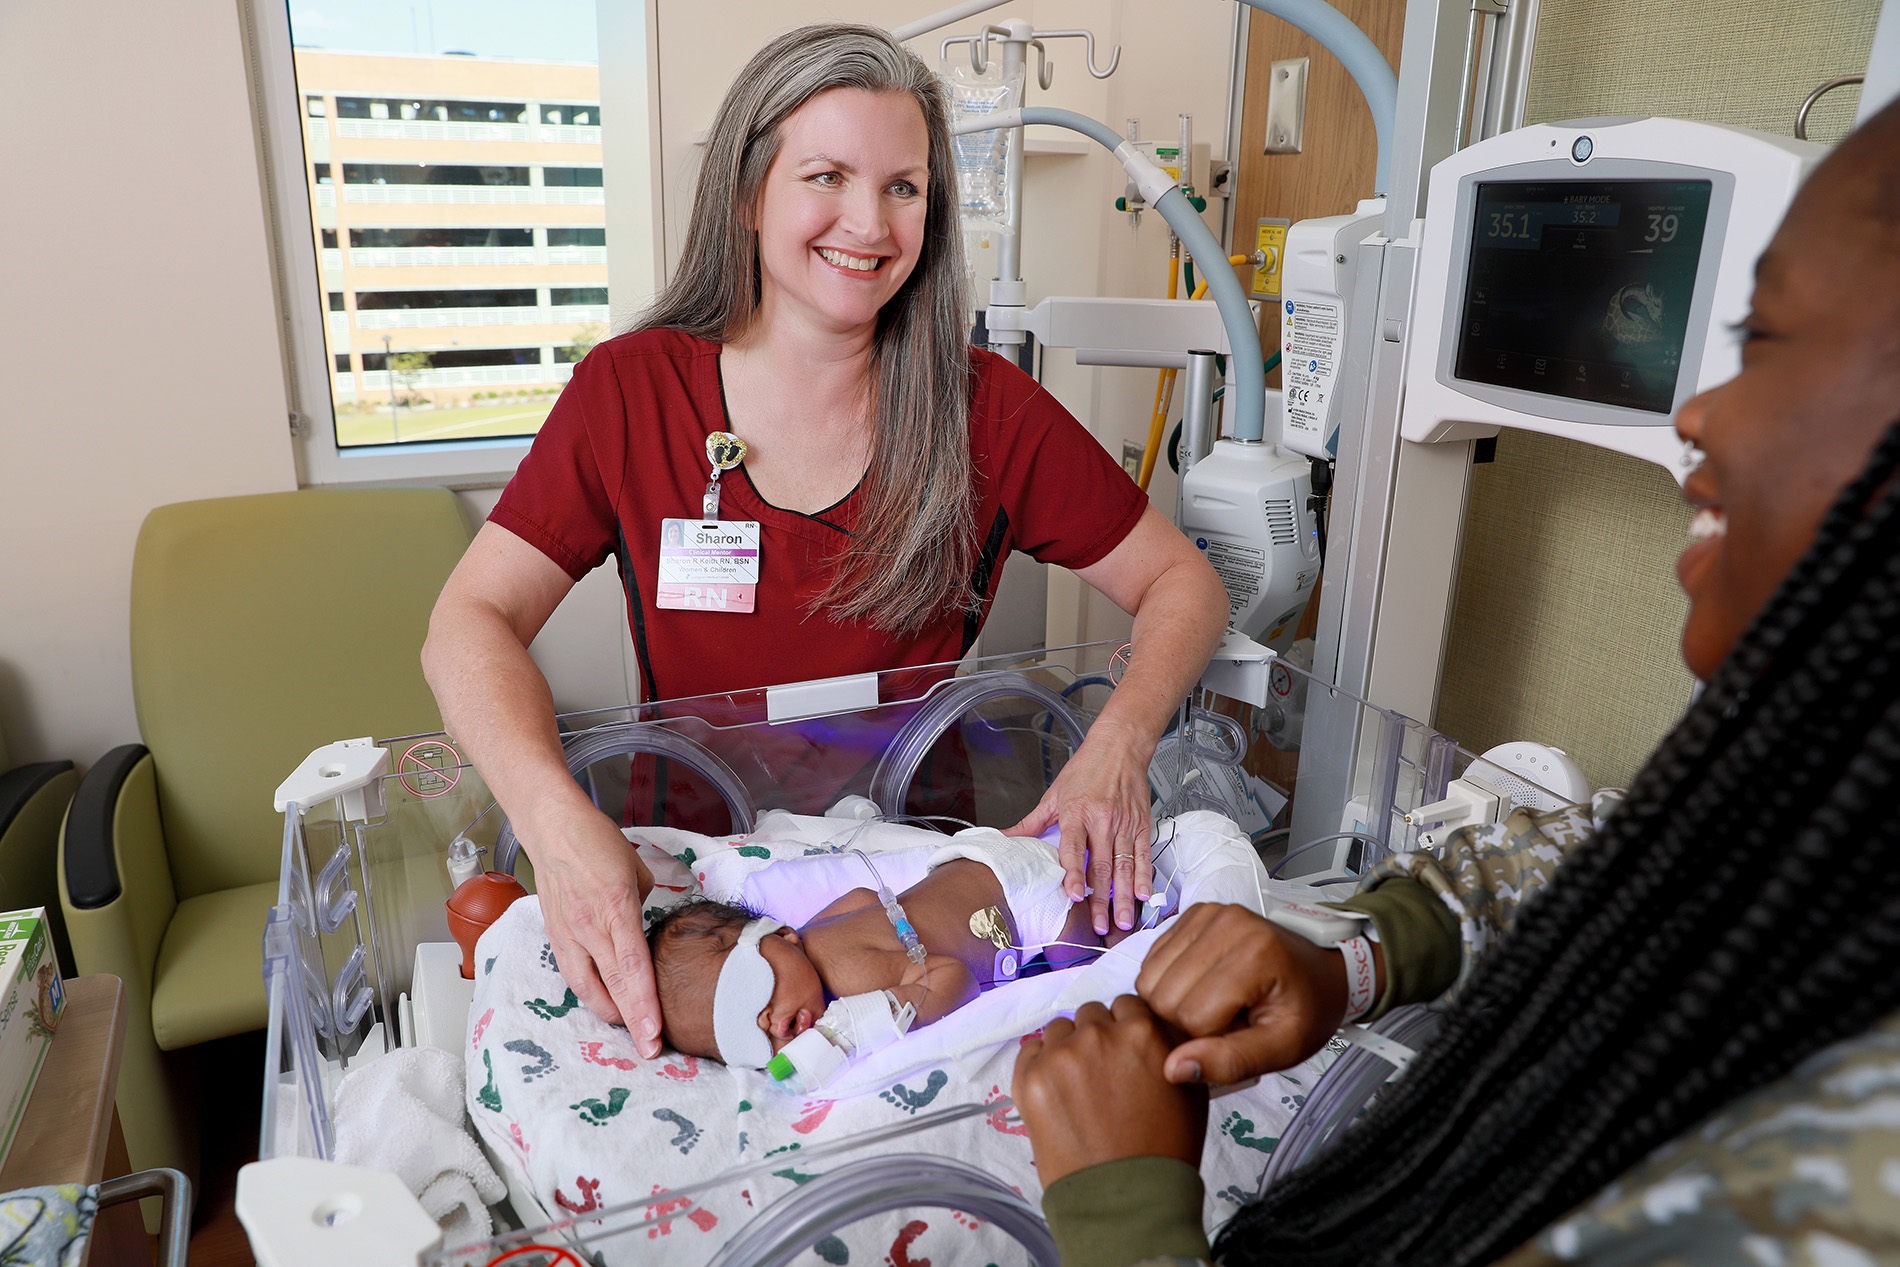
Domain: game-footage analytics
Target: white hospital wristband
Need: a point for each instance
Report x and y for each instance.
(1362, 978)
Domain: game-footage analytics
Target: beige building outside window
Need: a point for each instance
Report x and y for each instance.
(458, 215)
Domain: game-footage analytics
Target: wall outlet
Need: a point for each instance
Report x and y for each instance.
(1131, 459)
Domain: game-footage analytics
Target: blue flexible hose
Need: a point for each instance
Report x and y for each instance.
(1243, 337)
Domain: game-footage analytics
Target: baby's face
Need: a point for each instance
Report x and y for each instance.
(798, 995)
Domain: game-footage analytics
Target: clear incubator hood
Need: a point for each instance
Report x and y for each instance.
(359, 960)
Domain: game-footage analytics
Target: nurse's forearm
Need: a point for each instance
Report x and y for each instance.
(1178, 623)
(497, 707)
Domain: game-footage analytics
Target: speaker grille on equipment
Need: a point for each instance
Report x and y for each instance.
(1281, 523)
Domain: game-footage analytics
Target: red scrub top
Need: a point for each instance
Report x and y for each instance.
(625, 447)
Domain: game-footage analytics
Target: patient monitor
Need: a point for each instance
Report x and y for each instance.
(1582, 278)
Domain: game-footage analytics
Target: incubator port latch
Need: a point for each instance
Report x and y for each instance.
(352, 769)
(301, 1212)
(1238, 670)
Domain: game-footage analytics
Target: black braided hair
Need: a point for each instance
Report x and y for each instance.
(1738, 913)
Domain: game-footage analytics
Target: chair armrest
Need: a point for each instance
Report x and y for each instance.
(115, 883)
(90, 863)
(33, 799)
(20, 785)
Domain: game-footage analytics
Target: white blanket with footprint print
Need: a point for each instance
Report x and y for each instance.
(588, 1125)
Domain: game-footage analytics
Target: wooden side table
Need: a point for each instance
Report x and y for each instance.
(70, 1132)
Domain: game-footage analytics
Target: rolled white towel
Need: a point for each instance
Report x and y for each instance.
(403, 1112)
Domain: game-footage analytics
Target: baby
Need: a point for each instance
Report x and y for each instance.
(738, 987)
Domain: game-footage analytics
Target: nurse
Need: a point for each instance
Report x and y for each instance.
(881, 473)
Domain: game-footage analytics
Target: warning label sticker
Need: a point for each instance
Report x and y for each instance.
(1310, 339)
(1242, 569)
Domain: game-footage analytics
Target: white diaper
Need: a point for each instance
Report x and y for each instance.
(1030, 875)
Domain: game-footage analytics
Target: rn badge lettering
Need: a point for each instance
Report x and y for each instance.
(708, 567)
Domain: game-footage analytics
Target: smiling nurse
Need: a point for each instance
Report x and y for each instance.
(817, 314)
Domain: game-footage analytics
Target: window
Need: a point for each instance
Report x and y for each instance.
(410, 108)
(464, 358)
(383, 300)
(443, 237)
(432, 174)
(455, 358)
(469, 191)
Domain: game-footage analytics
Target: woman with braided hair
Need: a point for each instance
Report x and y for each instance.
(1683, 1044)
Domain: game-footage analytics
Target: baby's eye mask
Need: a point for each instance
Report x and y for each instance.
(745, 986)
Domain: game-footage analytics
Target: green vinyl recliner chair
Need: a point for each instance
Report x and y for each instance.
(262, 628)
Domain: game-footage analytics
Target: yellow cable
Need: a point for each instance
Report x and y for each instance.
(1164, 391)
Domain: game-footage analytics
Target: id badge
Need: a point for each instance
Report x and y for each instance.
(708, 566)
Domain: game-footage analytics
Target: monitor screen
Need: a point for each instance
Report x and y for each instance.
(1582, 288)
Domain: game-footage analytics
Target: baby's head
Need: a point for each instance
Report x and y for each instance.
(734, 986)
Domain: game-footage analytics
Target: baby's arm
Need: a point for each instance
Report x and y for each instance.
(936, 988)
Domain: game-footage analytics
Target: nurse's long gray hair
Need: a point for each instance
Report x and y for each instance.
(913, 550)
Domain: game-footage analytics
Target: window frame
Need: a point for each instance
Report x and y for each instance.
(630, 155)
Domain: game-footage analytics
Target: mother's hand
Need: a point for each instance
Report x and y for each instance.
(591, 884)
(1101, 801)
(1253, 997)
(1060, 1076)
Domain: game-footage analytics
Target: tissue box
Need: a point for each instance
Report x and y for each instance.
(31, 1000)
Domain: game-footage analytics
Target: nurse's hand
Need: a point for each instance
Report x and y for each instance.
(1252, 997)
(592, 882)
(1060, 1075)
(1101, 802)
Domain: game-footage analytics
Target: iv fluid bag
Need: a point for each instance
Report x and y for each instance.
(982, 157)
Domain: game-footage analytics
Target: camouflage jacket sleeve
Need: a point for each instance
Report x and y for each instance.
(1804, 1172)
(1487, 873)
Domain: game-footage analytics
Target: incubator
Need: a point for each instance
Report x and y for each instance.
(359, 961)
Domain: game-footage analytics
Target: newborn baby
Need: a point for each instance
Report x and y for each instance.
(738, 987)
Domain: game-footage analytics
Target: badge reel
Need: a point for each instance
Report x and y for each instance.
(709, 564)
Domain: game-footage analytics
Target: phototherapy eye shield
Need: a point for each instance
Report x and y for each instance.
(745, 987)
